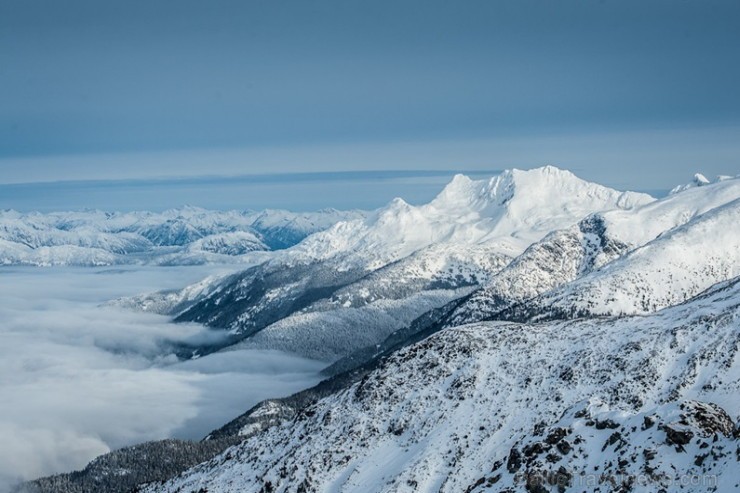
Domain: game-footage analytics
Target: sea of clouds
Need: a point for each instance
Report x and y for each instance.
(79, 378)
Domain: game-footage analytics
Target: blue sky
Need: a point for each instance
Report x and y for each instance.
(633, 94)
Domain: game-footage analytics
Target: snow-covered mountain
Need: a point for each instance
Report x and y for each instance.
(572, 253)
(283, 229)
(699, 180)
(357, 282)
(581, 404)
(532, 332)
(668, 270)
(508, 211)
(179, 236)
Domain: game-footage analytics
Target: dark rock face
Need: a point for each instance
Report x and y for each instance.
(564, 447)
(604, 424)
(624, 455)
(563, 478)
(677, 437)
(705, 418)
(709, 418)
(515, 461)
(556, 435)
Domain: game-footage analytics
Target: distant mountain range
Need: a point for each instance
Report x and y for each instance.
(189, 235)
(528, 332)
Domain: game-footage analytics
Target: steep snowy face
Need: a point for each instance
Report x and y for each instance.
(503, 405)
(559, 258)
(568, 254)
(510, 211)
(637, 227)
(402, 260)
(668, 270)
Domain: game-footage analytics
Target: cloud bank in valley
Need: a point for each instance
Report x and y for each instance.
(78, 379)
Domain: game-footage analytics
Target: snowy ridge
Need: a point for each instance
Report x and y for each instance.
(699, 181)
(332, 334)
(434, 267)
(561, 257)
(509, 211)
(566, 255)
(400, 259)
(637, 227)
(664, 272)
(188, 235)
(367, 311)
(171, 302)
(501, 404)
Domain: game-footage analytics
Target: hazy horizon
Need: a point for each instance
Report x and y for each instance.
(299, 192)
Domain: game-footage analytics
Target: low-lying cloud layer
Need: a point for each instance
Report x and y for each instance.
(78, 379)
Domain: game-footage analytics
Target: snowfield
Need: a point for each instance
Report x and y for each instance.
(688, 239)
(668, 270)
(496, 405)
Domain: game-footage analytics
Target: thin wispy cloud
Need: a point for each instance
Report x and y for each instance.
(360, 176)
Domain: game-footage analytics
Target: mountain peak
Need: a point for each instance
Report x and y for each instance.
(546, 171)
(698, 180)
(511, 210)
(546, 186)
(458, 191)
(398, 204)
(464, 191)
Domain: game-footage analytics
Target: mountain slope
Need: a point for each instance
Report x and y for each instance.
(503, 403)
(179, 236)
(566, 255)
(405, 254)
(666, 271)
(283, 229)
(559, 258)
(122, 470)
(367, 311)
(508, 211)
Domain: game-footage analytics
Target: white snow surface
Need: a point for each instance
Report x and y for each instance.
(707, 250)
(699, 180)
(402, 259)
(637, 227)
(543, 247)
(509, 211)
(668, 270)
(449, 413)
(188, 235)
